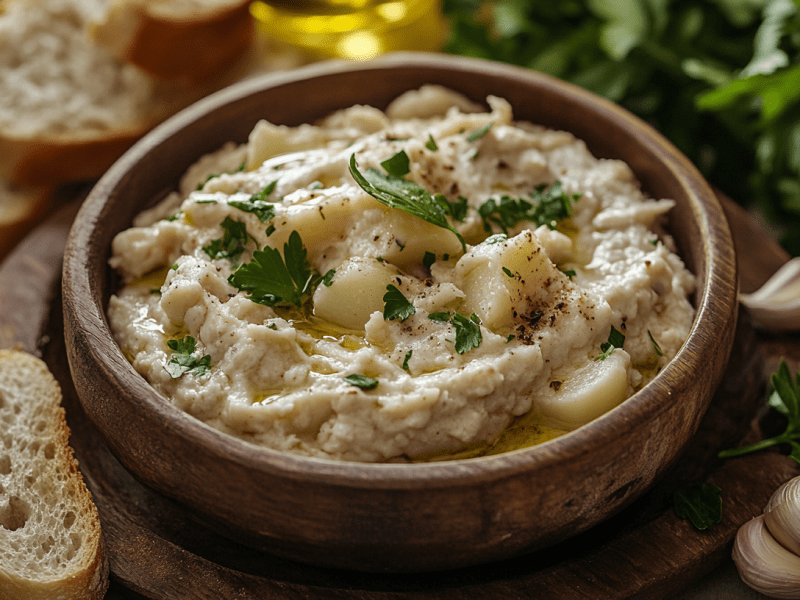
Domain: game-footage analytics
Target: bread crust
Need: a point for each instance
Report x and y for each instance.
(87, 576)
(20, 208)
(185, 47)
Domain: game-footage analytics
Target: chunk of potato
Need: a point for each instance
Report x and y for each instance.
(356, 291)
(587, 393)
(413, 237)
(496, 277)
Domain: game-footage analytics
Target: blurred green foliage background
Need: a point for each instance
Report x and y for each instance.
(719, 78)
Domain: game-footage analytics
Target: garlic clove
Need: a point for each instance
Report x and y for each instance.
(764, 564)
(782, 515)
(776, 304)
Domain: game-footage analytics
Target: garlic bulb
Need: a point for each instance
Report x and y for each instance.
(767, 549)
(776, 304)
(782, 515)
(764, 564)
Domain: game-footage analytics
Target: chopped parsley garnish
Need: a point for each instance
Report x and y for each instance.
(183, 360)
(701, 504)
(232, 243)
(458, 209)
(615, 340)
(156, 291)
(570, 273)
(362, 381)
(398, 165)
(479, 133)
(656, 347)
(174, 267)
(396, 192)
(508, 273)
(257, 204)
(468, 331)
(272, 326)
(510, 338)
(548, 205)
(428, 259)
(785, 398)
(406, 359)
(327, 279)
(397, 305)
(210, 201)
(175, 217)
(275, 280)
(431, 144)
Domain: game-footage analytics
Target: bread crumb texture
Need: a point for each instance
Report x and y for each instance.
(50, 537)
(47, 61)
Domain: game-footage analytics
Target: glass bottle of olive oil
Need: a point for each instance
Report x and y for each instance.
(357, 29)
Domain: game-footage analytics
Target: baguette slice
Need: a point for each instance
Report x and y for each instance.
(68, 107)
(185, 40)
(51, 544)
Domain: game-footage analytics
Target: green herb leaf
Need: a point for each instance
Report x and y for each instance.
(431, 144)
(327, 279)
(406, 359)
(183, 362)
(404, 195)
(479, 133)
(548, 206)
(398, 165)
(439, 317)
(785, 398)
(570, 273)
(468, 332)
(701, 504)
(397, 305)
(458, 209)
(232, 243)
(273, 280)
(656, 347)
(615, 340)
(257, 204)
(428, 259)
(362, 381)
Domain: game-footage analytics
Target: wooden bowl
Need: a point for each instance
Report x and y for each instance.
(397, 517)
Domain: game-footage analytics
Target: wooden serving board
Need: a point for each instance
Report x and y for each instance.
(158, 551)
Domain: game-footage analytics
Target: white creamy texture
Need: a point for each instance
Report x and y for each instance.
(277, 376)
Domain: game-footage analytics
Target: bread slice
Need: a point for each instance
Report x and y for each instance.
(186, 40)
(51, 544)
(69, 108)
(20, 208)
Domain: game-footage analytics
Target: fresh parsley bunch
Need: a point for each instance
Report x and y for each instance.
(719, 78)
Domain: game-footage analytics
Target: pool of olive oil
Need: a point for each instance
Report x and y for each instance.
(355, 29)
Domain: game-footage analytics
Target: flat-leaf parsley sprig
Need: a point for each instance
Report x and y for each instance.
(785, 398)
(468, 330)
(405, 195)
(184, 361)
(275, 280)
(548, 206)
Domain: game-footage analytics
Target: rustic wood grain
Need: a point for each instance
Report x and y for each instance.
(158, 551)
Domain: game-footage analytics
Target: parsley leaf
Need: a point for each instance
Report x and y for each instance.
(404, 195)
(656, 347)
(701, 504)
(398, 165)
(327, 279)
(431, 144)
(428, 259)
(257, 204)
(397, 305)
(548, 205)
(615, 340)
(406, 359)
(479, 133)
(786, 400)
(362, 381)
(273, 280)
(183, 362)
(232, 243)
(468, 331)
(458, 209)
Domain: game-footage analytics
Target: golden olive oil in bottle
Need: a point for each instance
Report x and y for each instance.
(357, 29)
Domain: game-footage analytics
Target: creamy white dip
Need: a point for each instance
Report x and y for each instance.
(543, 300)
